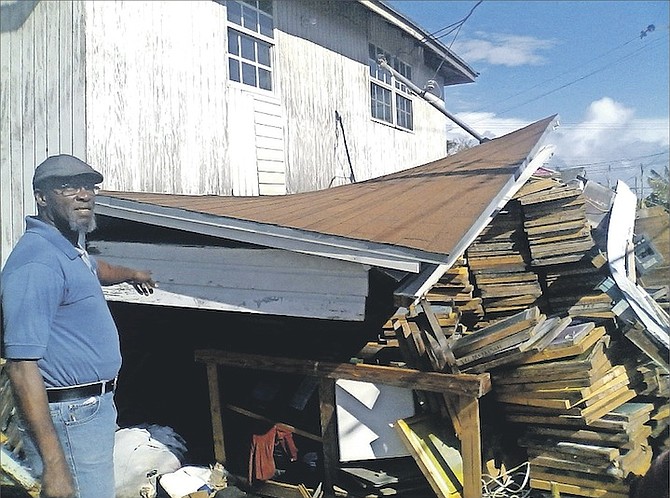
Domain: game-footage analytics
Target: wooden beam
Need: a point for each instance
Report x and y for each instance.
(470, 385)
(216, 412)
(331, 452)
(471, 446)
(286, 427)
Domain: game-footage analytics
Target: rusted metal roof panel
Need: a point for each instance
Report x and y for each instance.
(428, 208)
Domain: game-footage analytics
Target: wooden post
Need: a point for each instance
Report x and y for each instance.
(216, 413)
(331, 450)
(471, 446)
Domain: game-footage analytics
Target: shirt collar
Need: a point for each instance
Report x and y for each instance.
(52, 234)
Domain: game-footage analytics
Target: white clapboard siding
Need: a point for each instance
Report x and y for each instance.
(269, 132)
(264, 281)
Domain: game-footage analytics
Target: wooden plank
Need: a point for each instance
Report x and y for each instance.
(7, 105)
(461, 384)
(468, 414)
(328, 418)
(444, 343)
(559, 487)
(429, 464)
(78, 76)
(13, 468)
(216, 413)
(287, 427)
(576, 479)
(27, 32)
(497, 331)
(41, 75)
(52, 27)
(536, 390)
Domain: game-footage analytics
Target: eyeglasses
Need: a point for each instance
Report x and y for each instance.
(72, 189)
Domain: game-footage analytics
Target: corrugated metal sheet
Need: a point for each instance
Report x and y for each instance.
(428, 208)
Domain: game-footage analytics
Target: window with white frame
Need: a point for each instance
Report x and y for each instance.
(250, 42)
(390, 99)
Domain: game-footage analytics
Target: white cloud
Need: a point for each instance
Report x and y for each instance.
(486, 124)
(610, 132)
(609, 142)
(501, 49)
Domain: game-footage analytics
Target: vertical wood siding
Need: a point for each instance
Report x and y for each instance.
(157, 108)
(41, 105)
(321, 56)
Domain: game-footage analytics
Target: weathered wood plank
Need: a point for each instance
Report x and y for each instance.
(461, 384)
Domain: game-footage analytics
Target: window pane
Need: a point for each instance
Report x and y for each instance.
(263, 53)
(404, 112)
(264, 79)
(248, 74)
(249, 18)
(234, 69)
(233, 42)
(248, 48)
(234, 12)
(380, 98)
(266, 25)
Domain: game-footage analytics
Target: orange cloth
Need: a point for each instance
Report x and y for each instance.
(261, 456)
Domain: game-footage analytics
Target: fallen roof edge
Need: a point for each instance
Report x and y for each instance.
(269, 235)
(417, 286)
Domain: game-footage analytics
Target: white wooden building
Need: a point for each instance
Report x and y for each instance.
(214, 97)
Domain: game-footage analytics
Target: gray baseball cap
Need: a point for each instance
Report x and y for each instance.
(64, 166)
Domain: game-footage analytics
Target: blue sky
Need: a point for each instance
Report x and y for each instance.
(583, 60)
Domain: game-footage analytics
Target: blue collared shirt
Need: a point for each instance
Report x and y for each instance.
(54, 310)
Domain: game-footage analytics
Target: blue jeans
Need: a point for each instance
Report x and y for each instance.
(86, 430)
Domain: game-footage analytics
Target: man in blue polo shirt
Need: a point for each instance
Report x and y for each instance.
(60, 340)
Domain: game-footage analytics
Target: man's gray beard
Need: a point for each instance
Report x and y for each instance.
(83, 227)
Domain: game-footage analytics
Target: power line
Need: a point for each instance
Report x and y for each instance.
(567, 71)
(455, 26)
(624, 159)
(570, 83)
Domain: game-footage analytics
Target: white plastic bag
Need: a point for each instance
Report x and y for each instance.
(138, 460)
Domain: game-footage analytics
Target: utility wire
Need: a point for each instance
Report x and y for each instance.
(653, 44)
(567, 71)
(454, 26)
(577, 80)
(619, 160)
(447, 30)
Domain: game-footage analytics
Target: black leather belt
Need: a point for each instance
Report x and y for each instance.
(58, 394)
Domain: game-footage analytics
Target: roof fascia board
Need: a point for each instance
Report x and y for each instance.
(291, 239)
(420, 35)
(419, 285)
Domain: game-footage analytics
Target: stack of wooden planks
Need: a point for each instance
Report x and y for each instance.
(555, 222)
(563, 252)
(580, 428)
(508, 341)
(453, 297)
(594, 459)
(499, 262)
(651, 382)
